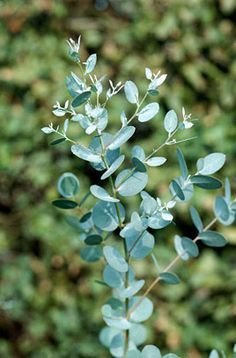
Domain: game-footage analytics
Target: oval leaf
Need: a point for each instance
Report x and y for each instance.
(196, 219)
(121, 137)
(85, 153)
(129, 183)
(80, 99)
(64, 204)
(212, 163)
(102, 194)
(105, 217)
(131, 92)
(115, 259)
(148, 112)
(206, 182)
(91, 63)
(212, 238)
(68, 185)
(170, 121)
(156, 161)
(170, 278)
(115, 165)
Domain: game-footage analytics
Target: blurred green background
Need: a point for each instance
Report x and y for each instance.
(49, 301)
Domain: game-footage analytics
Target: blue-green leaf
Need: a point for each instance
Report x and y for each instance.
(115, 165)
(156, 221)
(106, 335)
(182, 164)
(151, 351)
(139, 166)
(115, 259)
(85, 153)
(129, 182)
(138, 152)
(112, 277)
(156, 161)
(138, 333)
(64, 204)
(205, 182)
(196, 219)
(187, 189)
(91, 253)
(131, 290)
(68, 185)
(117, 346)
(185, 247)
(105, 215)
(170, 121)
(211, 163)
(143, 311)
(139, 244)
(57, 141)
(102, 194)
(131, 92)
(177, 190)
(170, 278)
(91, 63)
(123, 135)
(221, 209)
(148, 112)
(212, 238)
(214, 354)
(80, 99)
(93, 240)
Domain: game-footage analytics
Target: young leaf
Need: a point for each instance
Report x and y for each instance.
(121, 137)
(64, 204)
(115, 165)
(156, 161)
(91, 63)
(148, 112)
(131, 92)
(115, 259)
(205, 182)
(212, 238)
(85, 153)
(68, 185)
(211, 163)
(47, 130)
(170, 121)
(182, 164)
(80, 99)
(196, 219)
(170, 278)
(102, 194)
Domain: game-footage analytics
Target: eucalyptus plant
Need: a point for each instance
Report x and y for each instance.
(105, 230)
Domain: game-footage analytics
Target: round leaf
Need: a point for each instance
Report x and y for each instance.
(151, 351)
(115, 259)
(91, 253)
(105, 217)
(112, 277)
(143, 311)
(93, 240)
(68, 185)
(129, 183)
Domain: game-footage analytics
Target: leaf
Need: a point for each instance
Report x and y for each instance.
(143, 311)
(170, 121)
(129, 183)
(138, 333)
(93, 240)
(148, 112)
(148, 73)
(221, 209)
(138, 152)
(105, 217)
(117, 346)
(170, 278)
(91, 253)
(80, 99)
(214, 354)
(211, 163)
(115, 259)
(196, 219)
(91, 63)
(156, 82)
(182, 164)
(185, 247)
(177, 189)
(139, 244)
(64, 204)
(102, 194)
(187, 189)
(150, 351)
(131, 92)
(106, 335)
(212, 238)
(115, 165)
(85, 153)
(57, 141)
(156, 221)
(156, 161)
(112, 277)
(131, 290)
(68, 185)
(123, 135)
(47, 130)
(138, 165)
(227, 191)
(205, 182)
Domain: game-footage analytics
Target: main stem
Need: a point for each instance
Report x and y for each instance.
(166, 269)
(126, 254)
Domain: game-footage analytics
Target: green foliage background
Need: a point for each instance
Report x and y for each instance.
(49, 302)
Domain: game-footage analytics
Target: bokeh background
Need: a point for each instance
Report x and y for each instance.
(49, 300)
